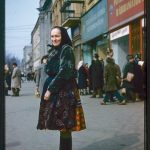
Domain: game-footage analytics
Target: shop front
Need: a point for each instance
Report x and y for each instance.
(125, 28)
(120, 44)
(94, 27)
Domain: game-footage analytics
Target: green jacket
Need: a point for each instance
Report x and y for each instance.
(111, 71)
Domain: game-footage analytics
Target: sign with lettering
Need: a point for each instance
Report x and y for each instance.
(123, 11)
(119, 33)
(94, 22)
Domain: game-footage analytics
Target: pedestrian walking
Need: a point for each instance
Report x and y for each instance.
(110, 54)
(16, 80)
(96, 75)
(110, 82)
(41, 75)
(60, 107)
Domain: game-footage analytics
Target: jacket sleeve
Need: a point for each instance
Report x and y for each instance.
(66, 70)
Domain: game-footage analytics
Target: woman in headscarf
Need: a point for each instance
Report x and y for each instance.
(82, 78)
(60, 107)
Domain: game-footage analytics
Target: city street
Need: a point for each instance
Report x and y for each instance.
(109, 127)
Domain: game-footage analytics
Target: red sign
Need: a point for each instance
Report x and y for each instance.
(123, 11)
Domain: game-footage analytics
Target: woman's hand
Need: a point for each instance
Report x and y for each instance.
(47, 95)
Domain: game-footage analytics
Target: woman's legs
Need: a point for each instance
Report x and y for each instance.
(65, 140)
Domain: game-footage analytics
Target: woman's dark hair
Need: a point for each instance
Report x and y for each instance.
(65, 39)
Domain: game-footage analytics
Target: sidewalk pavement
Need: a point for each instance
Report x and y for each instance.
(109, 127)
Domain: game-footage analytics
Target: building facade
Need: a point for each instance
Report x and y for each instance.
(94, 26)
(126, 28)
(45, 21)
(94, 31)
(27, 61)
(35, 40)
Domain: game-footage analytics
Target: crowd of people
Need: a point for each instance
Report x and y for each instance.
(105, 79)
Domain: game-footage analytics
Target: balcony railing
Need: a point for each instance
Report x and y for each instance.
(71, 12)
(70, 20)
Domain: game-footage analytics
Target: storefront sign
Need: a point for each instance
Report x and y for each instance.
(119, 33)
(123, 11)
(94, 23)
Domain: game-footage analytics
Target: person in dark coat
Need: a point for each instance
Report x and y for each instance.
(138, 78)
(110, 54)
(96, 74)
(129, 85)
(82, 78)
(7, 79)
(60, 107)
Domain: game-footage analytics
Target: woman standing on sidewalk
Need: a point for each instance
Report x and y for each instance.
(60, 107)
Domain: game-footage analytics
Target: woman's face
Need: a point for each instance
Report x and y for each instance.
(56, 36)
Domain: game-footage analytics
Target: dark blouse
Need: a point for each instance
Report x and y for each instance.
(61, 66)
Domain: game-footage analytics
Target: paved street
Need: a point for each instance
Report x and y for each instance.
(110, 127)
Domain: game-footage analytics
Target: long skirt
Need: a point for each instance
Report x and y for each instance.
(63, 111)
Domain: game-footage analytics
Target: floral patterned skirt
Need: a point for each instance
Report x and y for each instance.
(63, 111)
